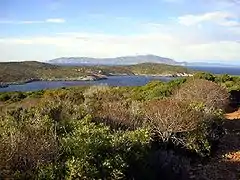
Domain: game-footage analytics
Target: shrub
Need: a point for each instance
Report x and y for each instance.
(27, 141)
(120, 114)
(4, 96)
(13, 97)
(212, 95)
(223, 78)
(183, 125)
(36, 94)
(156, 90)
(95, 152)
(205, 76)
(167, 117)
(93, 98)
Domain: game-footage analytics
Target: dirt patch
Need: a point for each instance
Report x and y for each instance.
(225, 164)
(233, 115)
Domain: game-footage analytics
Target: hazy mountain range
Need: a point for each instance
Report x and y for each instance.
(126, 60)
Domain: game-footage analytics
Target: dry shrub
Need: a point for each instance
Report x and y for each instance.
(96, 96)
(73, 96)
(120, 114)
(180, 124)
(170, 116)
(212, 95)
(62, 105)
(27, 141)
(93, 98)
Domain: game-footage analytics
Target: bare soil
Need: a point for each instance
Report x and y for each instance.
(225, 165)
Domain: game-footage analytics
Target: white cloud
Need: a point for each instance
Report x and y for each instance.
(104, 45)
(50, 20)
(217, 17)
(56, 20)
(224, 50)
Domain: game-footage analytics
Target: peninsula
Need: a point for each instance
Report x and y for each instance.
(28, 71)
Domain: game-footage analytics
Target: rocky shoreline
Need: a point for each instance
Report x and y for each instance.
(167, 75)
(6, 84)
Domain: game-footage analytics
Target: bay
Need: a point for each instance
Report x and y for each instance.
(111, 81)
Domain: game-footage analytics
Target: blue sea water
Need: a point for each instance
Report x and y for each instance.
(113, 80)
(218, 70)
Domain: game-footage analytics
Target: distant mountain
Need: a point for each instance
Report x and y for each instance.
(125, 60)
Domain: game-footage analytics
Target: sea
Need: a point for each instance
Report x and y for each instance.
(113, 80)
(218, 70)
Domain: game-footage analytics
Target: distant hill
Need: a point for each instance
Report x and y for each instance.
(156, 68)
(125, 60)
(21, 71)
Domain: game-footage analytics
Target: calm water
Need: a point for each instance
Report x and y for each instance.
(111, 81)
(218, 70)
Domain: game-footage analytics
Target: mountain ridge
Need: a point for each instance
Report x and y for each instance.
(122, 60)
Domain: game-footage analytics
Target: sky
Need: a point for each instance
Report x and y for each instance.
(185, 30)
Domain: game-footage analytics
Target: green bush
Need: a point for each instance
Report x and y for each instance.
(205, 76)
(5, 96)
(156, 90)
(95, 152)
(13, 96)
(111, 133)
(44, 143)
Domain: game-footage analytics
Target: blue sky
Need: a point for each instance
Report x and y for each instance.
(185, 30)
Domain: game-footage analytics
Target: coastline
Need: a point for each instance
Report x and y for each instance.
(85, 78)
(167, 75)
(93, 77)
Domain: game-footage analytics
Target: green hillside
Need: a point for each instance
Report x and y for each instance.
(24, 71)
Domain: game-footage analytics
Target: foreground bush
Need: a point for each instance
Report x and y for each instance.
(105, 134)
(120, 115)
(210, 94)
(37, 144)
(27, 141)
(183, 125)
(95, 152)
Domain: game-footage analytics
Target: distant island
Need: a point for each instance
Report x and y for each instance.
(124, 60)
(28, 71)
(131, 60)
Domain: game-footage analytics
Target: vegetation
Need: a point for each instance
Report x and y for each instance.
(149, 132)
(208, 93)
(153, 68)
(27, 71)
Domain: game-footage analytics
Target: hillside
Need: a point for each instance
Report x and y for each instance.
(101, 132)
(154, 68)
(24, 71)
(21, 71)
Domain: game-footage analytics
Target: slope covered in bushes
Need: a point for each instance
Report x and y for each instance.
(149, 132)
